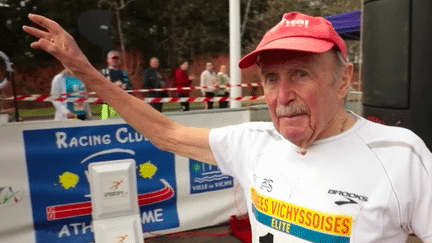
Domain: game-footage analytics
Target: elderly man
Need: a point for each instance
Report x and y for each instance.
(317, 173)
(152, 79)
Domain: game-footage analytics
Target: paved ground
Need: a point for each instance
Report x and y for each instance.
(196, 236)
(217, 230)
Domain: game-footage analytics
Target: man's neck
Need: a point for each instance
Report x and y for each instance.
(341, 122)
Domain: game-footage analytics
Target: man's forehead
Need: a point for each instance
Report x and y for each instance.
(268, 60)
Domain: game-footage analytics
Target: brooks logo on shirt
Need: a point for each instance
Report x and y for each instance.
(346, 202)
(349, 196)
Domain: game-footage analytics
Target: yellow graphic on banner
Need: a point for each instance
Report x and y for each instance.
(68, 179)
(337, 224)
(147, 170)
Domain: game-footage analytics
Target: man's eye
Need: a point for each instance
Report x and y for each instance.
(271, 78)
(301, 74)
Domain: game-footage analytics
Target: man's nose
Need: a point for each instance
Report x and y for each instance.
(286, 93)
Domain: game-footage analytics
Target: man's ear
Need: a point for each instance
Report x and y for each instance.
(345, 80)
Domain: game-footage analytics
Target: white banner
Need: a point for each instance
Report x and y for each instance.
(44, 192)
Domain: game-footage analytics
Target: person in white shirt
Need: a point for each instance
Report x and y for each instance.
(317, 172)
(67, 83)
(208, 79)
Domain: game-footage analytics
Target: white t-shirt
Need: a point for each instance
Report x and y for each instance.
(62, 84)
(372, 183)
(208, 78)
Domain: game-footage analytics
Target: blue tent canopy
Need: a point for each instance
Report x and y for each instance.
(347, 24)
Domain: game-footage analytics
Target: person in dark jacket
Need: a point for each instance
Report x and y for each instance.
(154, 80)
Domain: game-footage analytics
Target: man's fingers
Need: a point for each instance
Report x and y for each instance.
(36, 32)
(51, 39)
(47, 46)
(55, 41)
(46, 23)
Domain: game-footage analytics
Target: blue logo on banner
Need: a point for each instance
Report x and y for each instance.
(206, 178)
(57, 162)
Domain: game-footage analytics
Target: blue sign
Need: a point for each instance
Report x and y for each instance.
(206, 178)
(57, 162)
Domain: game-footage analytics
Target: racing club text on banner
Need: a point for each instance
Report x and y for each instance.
(57, 161)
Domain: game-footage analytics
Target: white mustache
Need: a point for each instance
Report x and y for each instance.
(292, 109)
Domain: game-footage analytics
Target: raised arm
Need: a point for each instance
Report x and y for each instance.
(164, 133)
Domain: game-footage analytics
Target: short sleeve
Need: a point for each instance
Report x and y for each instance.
(224, 143)
(58, 87)
(234, 147)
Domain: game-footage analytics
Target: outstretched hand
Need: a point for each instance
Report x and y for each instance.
(57, 42)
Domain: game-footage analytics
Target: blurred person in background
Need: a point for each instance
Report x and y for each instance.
(223, 79)
(154, 80)
(66, 83)
(117, 76)
(208, 78)
(182, 79)
(114, 73)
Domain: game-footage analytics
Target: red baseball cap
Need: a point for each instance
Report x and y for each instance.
(298, 32)
(113, 53)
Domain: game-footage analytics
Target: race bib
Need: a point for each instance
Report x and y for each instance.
(280, 221)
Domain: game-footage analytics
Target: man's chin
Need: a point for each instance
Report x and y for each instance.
(295, 134)
(296, 138)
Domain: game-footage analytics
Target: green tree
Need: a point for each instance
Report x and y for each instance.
(272, 12)
(169, 29)
(14, 16)
(174, 30)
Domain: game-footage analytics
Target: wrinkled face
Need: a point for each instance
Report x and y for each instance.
(301, 94)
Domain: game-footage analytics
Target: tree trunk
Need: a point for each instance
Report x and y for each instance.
(121, 36)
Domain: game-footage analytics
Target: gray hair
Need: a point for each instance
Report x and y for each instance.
(340, 63)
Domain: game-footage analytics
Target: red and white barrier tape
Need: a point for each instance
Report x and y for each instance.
(148, 100)
(199, 87)
(64, 96)
(154, 100)
(201, 99)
